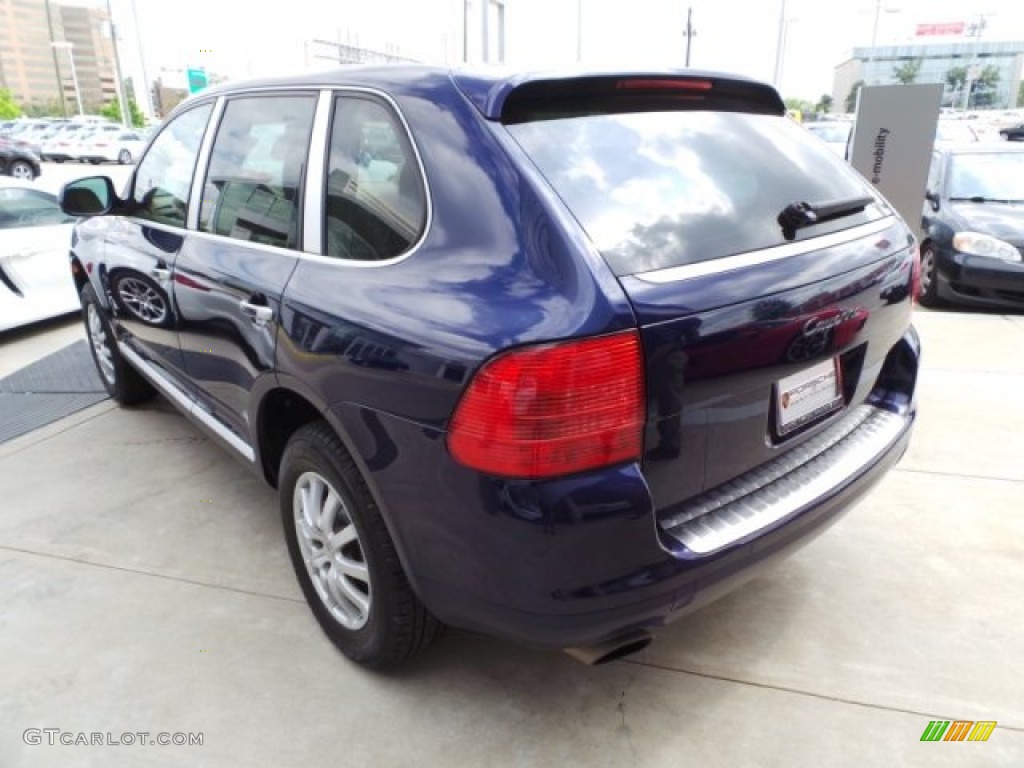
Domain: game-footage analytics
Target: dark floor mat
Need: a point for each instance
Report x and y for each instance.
(49, 389)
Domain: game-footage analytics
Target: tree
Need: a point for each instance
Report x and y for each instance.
(8, 109)
(799, 105)
(851, 97)
(112, 111)
(1020, 95)
(983, 87)
(956, 78)
(824, 104)
(907, 72)
(46, 109)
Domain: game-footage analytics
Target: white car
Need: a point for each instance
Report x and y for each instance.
(59, 145)
(80, 147)
(35, 239)
(122, 147)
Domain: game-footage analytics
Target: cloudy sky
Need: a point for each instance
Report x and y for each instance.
(256, 39)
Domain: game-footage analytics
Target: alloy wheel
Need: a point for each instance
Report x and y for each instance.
(20, 170)
(100, 343)
(331, 551)
(927, 269)
(143, 301)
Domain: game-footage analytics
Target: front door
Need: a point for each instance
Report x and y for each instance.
(141, 249)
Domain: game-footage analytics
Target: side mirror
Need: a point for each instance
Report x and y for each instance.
(91, 196)
(932, 198)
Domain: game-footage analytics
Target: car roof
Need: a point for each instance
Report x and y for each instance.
(979, 148)
(6, 182)
(486, 87)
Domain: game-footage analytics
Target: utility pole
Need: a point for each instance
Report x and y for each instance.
(126, 119)
(690, 32)
(579, 31)
(974, 30)
(779, 46)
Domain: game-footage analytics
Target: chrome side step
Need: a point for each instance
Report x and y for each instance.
(184, 402)
(781, 487)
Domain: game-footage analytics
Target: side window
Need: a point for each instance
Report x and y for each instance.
(253, 188)
(375, 205)
(164, 176)
(29, 208)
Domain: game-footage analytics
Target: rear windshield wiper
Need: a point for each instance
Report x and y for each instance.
(800, 214)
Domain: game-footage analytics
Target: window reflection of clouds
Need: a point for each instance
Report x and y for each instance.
(667, 188)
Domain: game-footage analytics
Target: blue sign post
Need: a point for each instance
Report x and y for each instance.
(197, 79)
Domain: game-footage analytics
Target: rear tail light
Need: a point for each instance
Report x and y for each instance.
(662, 84)
(553, 409)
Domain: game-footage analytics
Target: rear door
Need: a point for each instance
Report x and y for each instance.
(230, 275)
(756, 335)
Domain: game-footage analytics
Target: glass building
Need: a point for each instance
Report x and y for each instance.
(878, 66)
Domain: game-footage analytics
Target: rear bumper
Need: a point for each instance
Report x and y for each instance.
(574, 561)
(670, 589)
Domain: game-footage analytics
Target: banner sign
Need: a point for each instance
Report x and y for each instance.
(950, 28)
(892, 143)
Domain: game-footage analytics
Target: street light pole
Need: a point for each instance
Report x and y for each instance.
(126, 120)
(69, 47)
(146, 85)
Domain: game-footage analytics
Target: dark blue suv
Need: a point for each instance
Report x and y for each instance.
(554, 357)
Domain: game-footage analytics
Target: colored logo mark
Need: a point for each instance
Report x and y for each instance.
(958, 730)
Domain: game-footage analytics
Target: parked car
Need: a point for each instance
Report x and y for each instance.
(18, 160)
(486, 337)
(61, 144)
(81, 146)
(34, 239)
(972, 227)
(121, 147)
(954, 132)
(1013, 132)
(834, 133)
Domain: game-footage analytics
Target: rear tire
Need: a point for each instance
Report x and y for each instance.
(343, 555)
(122, 382)
(124, 157)
(929, 278)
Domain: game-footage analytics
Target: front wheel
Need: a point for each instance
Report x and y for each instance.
(122, 382)
(343, 555)
(929, 278)
(21, 170)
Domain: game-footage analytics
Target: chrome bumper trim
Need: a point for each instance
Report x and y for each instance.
(785, 485)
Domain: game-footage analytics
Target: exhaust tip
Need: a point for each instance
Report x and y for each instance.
(610, 650)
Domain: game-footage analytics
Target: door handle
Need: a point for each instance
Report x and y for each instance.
(260, 314)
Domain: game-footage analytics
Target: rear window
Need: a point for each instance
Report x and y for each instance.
(664, 189)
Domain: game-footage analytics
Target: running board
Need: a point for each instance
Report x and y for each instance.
(174, 393)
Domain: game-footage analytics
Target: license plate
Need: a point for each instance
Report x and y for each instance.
(808, 395)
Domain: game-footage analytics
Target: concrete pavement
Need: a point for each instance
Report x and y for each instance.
(146, 588)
